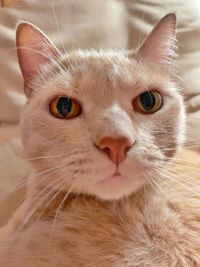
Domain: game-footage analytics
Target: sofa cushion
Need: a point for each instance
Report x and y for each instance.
(69, 24)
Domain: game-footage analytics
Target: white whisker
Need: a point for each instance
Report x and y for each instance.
(58, 28)
(169, 176)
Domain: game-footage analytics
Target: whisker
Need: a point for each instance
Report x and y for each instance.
(187, 179)
(61, 204)
(159, 188)
(169, 176)
(179, 161)
(156, 186)
(16, 187)
(178, 177)
(168, 187)
(9, 162)
(151, 184)
(58, 28)
(40, 202)
(185, 161)
(51, 57)
(54, 196)
(182, 146)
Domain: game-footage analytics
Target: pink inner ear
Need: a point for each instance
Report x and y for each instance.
(34, 49)
(159, 46)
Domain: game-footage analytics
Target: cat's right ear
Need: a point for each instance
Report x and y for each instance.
(33, 50)
(160, 45)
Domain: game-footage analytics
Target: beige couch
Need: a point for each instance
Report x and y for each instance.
(90, 24)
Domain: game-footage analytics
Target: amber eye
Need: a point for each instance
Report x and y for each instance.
(64, 107)
(148, 102)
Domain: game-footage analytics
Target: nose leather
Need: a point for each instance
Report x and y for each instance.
(115, 148)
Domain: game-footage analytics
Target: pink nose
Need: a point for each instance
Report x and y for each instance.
(115, 148)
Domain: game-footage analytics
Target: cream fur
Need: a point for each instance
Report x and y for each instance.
(74, 214)
(146, 229)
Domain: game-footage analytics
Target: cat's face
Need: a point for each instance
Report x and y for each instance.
(91, 119)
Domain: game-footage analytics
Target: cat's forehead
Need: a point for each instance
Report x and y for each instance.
(115, 68)
(107, 57)
(99, 71)
(109, 64)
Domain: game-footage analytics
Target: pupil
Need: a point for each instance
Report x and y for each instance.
(147, 100)
(64, 106)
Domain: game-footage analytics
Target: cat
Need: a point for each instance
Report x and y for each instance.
(101, 128)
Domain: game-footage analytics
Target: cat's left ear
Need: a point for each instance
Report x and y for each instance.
(34, 49)
(159, 46)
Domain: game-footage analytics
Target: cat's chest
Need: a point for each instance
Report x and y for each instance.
(152, 235)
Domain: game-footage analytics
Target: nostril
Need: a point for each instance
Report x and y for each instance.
(126, 149)
(106, 150)
(103, 148)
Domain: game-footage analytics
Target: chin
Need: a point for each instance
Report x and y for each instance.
(116, 188)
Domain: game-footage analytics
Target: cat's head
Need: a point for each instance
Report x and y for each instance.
(100, 122)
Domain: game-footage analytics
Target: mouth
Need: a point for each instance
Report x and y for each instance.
(116, 177)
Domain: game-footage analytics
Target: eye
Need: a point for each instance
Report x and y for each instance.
(64, 107)
(148, 102)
